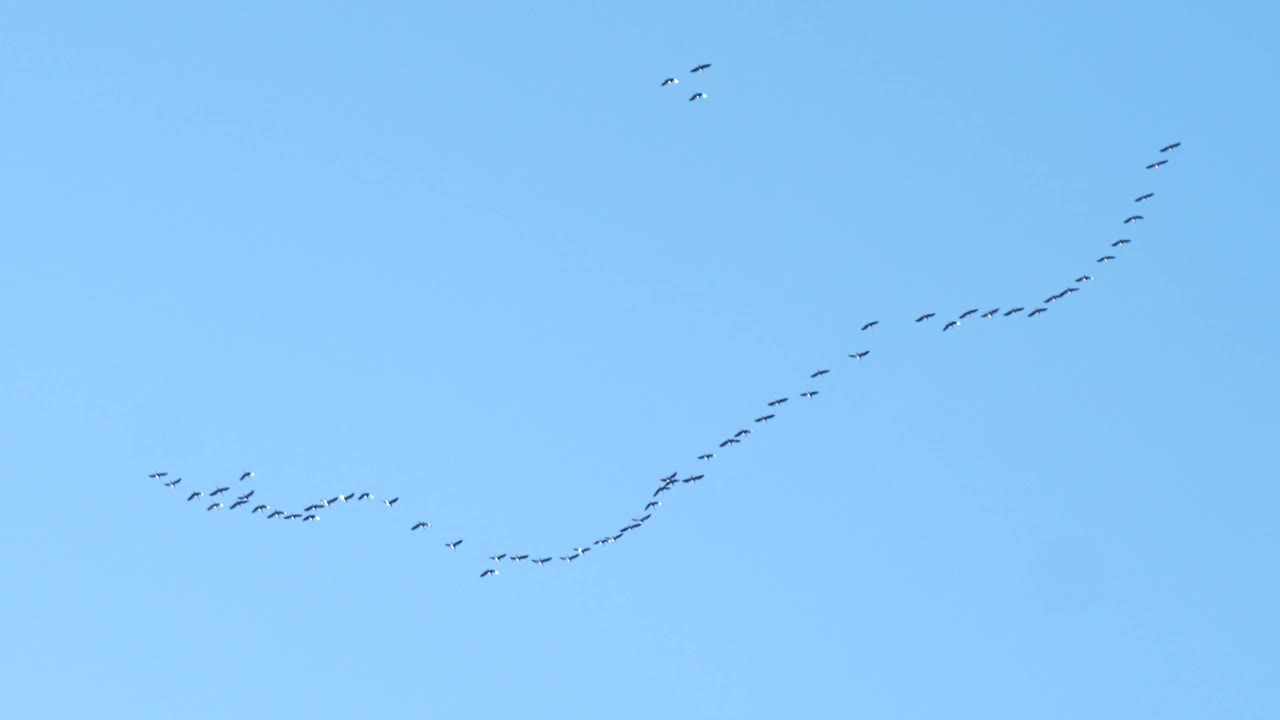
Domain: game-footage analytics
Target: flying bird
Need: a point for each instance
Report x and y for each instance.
(706, 456)
(871, 324)
(1014, 311)
(173, 483)
(651, 505)
(1036, 312)
(701, 67)
(1121, 241)
(808, 394)
(698, 96)
(488, 572)
(194, 495)
(641, 519)
(776, 403)
(275, 513)
(541, 561)
(819, 374)
(246, 476)
(453, 545)
(157, 475)
(967, 313)
(742, 432)
(1132, 219)
(764, 418)
(247, 495)
(215, 506)
(309, 508)
(391, 502)
(1157, 165)
(1106, 258)
(219, 491)
(991, 313)
(365, 496)
(1070, 290)
(260, 508)
(670, 81)
(1148, 196)
(419, 525)
(692, 478)
(860, 355)
(1171, 148)
(668, 478)
(661, 490)
(730, 441)
(497, 558)
(948, 326)
(1084, 278)
(237, 504)
(518, 558)
(924, 317)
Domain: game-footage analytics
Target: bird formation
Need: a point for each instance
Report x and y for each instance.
(695, 71)
(666, 483)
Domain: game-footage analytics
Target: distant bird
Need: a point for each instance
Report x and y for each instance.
(275, 513)
(1054, 298)
(420, 525)
(453, 545)
(641, 519)
(948, 326)
(1157, 165)
(1070, 290)
(1014, 311)
(670, 81)
(651, 505)
(158, 475)
(661, 490)
(1084, 278)
(497, 558)
(215, 506)
(365, 496)
(706, 456)
(742, 432)
(967, 313)
(541, 561)
(518, 558)
(1170, 148)
(819, 374)
(924, 317)
(488, 572)
(309, 518)
(1148, 196)
(1132, 219)
(730, 441)
(1036, 312)
(173, 483)
(260, 508)
(570, 558)
(391, 502)
(219, 491)
(247, 495)
(309, 508)
(237, 504)
(1121, 241)
(765, 418)
(698, 96)
(991, 313)
(632, 526)
(246, 476)
(776, 403)
(293, 516)
(871, 324)
(808, 394)
(346, 497)
(669, 478)
(692, 478)
(860, 355)
(700, 68)
(1106, 258)
(331, 501)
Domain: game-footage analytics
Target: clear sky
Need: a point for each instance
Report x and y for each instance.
(471, 255)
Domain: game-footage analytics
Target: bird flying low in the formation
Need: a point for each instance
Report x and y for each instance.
(776, 403)
(1142, 198)
(668, 478)
(1014, 311)
(1084, 278)
(698, 96)
(765, 418)
(1170, 148)
(991, 313)
(819, 374)
(661, 490)
(742, 432)
(275, 514)
(730, 441)
(1157, 165)
(391, 502)
(1106, 258)
(157, 475)
(218, 491)
(215, 506)
(1070, 290)
(924, 317)
(420, 525)
(651, 504)
(706, 456)
(1036, 312)
(453, 545)
(173, 483)
(194, 495)
(246, 476)
(488, 572)
(871, 324)
(310, 518)
(237, 504)
(1121, 241)
(670, 81)
(247, 495)
(948, 326)
(860, 355)
(1132, 219)
(702, 67)
(809, 394)
(967, 313)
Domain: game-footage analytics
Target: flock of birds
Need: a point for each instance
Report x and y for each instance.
(666, 483)
(701, 68)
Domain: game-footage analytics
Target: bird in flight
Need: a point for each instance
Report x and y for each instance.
(1106, 258)
(1157, 165)
(730, 441)
(219, 491)
(518, 558)
(246, 476)
(702, 67)
(808, 394)
(1171, 148)
(698, 96)
(706, 456)
(420, 525)
(275, 514)
(871, 324)
(1036, 312)
(967, 313)
(651, 504)
(991, 313)
(488, 572)
(1121, 241)
(776, 403)
(670, 81)
(215, 506)
(365, 496)
(391, 502)
(173, 483)
(497, 558)
(692, 479)
(541, 561)
(237, 504)
(453, 545)
(1014, 311)
(1084, 278)
(247, 495)
(1132, 219)
(194, 495)
(742, 432)
(765, 418)
(819, 374)
(157, 475)
(309, 518)
(1141, 198)
(948, 326)
(860, 355)
(924, 317)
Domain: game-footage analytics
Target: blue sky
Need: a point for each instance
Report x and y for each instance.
(474, 257)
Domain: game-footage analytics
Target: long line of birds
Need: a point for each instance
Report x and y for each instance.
(666, 483)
